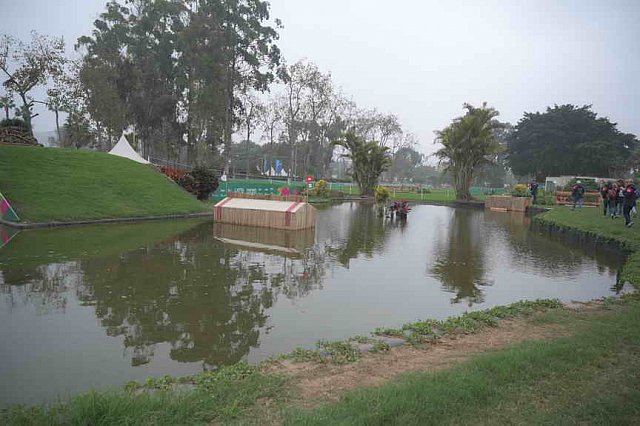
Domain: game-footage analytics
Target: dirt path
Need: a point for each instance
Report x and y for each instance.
(316, 383)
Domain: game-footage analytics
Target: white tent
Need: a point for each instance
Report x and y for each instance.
(123, 149)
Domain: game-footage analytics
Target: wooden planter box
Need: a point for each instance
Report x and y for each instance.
(507, 203)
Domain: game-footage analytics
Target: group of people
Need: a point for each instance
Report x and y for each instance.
(619, 198)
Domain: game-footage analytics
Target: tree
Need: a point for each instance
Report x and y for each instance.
(7, 103)
(368, 160)
(174, 70)
(27, 66)
(404, 163)
(568, 139)
(250, 115)
(271, 121)
(468, 143)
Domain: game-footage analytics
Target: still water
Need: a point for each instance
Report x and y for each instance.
(95, 307)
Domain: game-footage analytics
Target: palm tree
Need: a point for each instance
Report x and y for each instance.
(368, 160)
(468, 143)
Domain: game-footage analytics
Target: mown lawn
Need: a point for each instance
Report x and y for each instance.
(52, 184)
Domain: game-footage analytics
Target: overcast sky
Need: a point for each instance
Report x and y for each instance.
(421, 60)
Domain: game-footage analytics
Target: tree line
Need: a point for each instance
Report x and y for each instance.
(563, 140)
(203, 82)
(191, 79)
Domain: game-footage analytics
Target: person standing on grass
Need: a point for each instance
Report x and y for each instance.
(577, 193)
(612, 198)
(630, 197)
(620, 199)
(533, 190)
(604, 192)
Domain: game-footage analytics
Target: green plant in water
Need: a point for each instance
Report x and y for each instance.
(380, 346)
(342, 352)
(303, 355)
(392, 332)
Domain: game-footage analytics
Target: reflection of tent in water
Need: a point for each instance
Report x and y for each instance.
(292, 243)
(265, 211)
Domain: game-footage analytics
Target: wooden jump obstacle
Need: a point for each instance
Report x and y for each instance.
(271, 211)
(507, 203)
(593, 199)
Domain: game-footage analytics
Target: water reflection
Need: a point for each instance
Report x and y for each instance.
(366, 234)
(460, 259)
(183, 296)
(540, 251)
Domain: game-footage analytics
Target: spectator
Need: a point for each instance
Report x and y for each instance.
(630, 197)
(577, 193)
(604, 192)
(612, 197)
(620, 199)
(533, 190)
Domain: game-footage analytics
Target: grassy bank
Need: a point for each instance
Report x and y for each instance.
(223, 395)
(590, 377)
(48, 184)
(247, 394)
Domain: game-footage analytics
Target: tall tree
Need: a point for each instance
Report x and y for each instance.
(404, 163)
(568, 139)
(468, 143)
(250, 114)
(368, 160)
(271, 122)
(27, 66)
(174, 70)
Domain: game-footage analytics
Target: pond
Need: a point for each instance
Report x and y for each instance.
(95, 307)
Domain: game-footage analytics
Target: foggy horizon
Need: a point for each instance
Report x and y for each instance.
(423, 60)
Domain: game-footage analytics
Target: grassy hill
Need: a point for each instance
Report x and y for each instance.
(50, 184)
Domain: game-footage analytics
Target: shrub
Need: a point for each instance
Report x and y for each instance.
(382, 194)
(15, 122)
(520, 190)
(200, 182)
(322, 188)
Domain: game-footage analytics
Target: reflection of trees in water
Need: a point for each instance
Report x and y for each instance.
(366, 235)
(460, 260)
(208, 300)
(43, 286)
(549, 255)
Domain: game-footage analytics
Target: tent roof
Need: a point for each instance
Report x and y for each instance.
(256, 204)
(123, 149)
